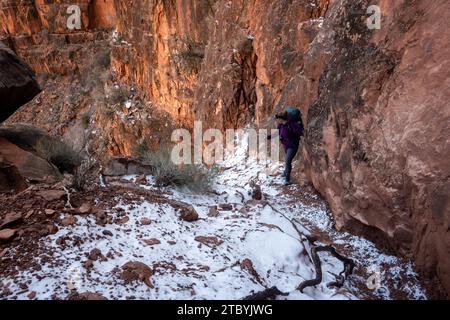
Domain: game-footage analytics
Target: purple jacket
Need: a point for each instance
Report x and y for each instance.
(290, 133)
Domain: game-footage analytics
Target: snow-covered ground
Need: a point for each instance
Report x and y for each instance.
(262, 232)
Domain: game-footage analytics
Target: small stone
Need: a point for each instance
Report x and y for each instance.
(209, 241)
(86, 296)
(85, 208)
(95, 254)
(213, 212)
(68, 220)
(32, 295)
(52, 229)
(61, 241)
(7, 235)
(49, 212)
(3, 253)
(145, 221)
(107, 233)
(29, 214)
(123, 221)
(152, 242)
(89, 264)
(226, 207)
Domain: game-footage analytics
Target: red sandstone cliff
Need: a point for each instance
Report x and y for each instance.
(376, 102)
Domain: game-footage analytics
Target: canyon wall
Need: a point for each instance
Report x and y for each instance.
(375, 101)
(377, 144)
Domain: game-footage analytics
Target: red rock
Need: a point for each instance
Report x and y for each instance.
(122, 166)
(213, 212)
(7, 235)
(152, 242)
(32, 295)
(68, 220)
(3, 253)
(85, 208)
(209, 241)
(187, 211)
(86, 296)
(89, 264)
(61, 241)
(145, 221)
(95, 254)
(10, 220)
(29, 214)
(123, 221)
(226, 207)
(247, 264)
(137, 271)
(52, 195)
(52, 228)
(50, 212)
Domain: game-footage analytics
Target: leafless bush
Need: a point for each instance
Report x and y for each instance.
(167, 173)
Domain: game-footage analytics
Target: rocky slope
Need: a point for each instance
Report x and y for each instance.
(375, 101)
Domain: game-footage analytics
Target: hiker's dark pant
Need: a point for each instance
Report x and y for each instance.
(290, 155)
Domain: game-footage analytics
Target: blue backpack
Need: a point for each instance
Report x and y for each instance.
(294, 113)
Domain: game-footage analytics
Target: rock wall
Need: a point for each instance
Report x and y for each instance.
(377, 145)
(375, 101)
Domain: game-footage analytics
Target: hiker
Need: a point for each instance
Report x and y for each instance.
(290, 132)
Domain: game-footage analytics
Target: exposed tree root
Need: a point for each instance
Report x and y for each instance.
(349, 266)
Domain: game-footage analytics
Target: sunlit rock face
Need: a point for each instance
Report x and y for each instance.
(375, 101)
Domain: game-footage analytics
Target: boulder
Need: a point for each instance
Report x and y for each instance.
(17, 83)
(187, 211)
(10, 178)
(137, 271)
(24, 165)
(123, 166)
